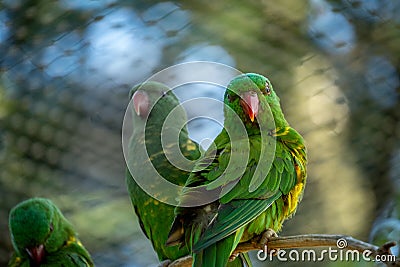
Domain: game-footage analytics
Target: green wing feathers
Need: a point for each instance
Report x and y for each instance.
(216, 254)
(231, 217)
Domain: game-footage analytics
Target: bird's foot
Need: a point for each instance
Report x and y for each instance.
(164, 263)
(265, 237)
(233, 256)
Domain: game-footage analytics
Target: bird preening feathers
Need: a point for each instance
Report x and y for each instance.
(42, 236)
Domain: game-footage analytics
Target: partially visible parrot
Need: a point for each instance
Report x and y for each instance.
(156, 217)
(253, 200)
(41, 236)
(386, 227)
(153, 103)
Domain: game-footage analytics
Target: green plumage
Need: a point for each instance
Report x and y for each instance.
(156, 217)
(41, 236)
(253, 197)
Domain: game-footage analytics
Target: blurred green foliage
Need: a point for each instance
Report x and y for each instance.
(67, 67)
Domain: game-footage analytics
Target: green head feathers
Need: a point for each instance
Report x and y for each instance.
(150, 97)
(152, 103)
(251, 81)
(249, 94)
(37, 226)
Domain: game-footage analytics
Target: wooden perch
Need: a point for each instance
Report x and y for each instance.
(308, 241)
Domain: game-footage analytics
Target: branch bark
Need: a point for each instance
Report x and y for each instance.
(307, 241)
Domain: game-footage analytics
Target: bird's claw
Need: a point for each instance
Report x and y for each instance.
(265, 237)
(233, 256)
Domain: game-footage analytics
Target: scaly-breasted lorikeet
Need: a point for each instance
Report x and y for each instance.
(41, 236)
(152, 103)
(253, 198)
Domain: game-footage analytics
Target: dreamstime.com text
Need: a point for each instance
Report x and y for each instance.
(331, 254)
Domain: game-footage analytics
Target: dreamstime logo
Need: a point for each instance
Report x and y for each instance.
(139, 158)
(331, 254)
(341, 243)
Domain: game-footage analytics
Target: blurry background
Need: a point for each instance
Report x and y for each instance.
(67, 67)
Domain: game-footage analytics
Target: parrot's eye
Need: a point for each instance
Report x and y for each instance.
(267, 88)
(164, 94)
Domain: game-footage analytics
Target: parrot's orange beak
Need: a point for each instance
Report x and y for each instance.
(250, 103)
(141, 103)
(36, 254)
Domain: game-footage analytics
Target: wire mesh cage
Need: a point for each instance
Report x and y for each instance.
(67, 68)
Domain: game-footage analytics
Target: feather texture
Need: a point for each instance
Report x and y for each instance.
(255, 193)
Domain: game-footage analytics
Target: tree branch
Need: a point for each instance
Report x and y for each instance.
(307, 241)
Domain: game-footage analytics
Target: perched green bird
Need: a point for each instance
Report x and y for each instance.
(41, 236)
(152, 103)
(252, 199)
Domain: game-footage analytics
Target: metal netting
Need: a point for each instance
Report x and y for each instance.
(67, 67)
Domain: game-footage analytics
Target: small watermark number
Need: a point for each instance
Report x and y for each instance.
(332, 254)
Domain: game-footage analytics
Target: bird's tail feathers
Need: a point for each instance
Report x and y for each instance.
(217, 254)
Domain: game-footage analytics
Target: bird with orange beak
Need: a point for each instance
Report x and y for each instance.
(259, 174)
(249, 103)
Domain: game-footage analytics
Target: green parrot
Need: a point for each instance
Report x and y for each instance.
(41, 236)
(153, 103)
(249, 200)
(155, 217)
